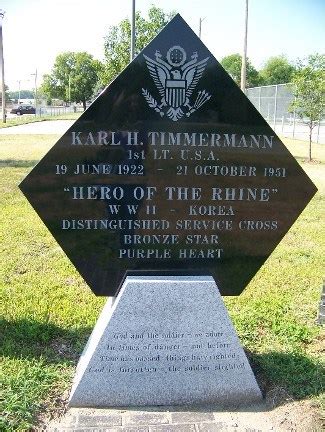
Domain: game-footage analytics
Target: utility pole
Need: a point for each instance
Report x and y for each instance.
(35, 74)
(200, 26)
(69, 89)
(3, 88)
(244, 57)
(132, 31)
(19, 81)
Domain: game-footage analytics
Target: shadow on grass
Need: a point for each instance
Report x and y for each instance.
(26, 338)
(299, 375)
(16, 163)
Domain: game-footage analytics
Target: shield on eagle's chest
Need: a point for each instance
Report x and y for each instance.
(175, 92)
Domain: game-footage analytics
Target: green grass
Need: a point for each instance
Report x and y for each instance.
(300, 149)
(24, 119)
(48, 311)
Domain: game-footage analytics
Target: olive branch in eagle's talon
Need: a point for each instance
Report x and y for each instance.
(151, 101)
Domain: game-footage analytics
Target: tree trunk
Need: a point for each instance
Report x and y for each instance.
(310, 135)
(84, 105)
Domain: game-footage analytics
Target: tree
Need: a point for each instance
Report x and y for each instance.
(118, 41)
(74, 77)
(308, 85)
(24, 94)
(277, 70)
(232, 64)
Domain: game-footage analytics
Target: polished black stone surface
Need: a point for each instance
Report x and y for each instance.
(170, 170)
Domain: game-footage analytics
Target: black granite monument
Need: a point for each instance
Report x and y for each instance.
(171, 170)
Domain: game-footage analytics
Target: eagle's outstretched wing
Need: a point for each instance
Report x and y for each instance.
(192, 74)
(159, 73)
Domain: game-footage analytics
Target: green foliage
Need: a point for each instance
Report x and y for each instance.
(73, 78)
(308, 85)
(25, 382)
(117, 42)
(24, 94)
(277, 70)
(232, 64)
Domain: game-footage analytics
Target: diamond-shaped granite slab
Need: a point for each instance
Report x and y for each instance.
(171, 169)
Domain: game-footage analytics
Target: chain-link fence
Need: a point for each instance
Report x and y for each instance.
(273, 102)
(43, 111)
(58, 110)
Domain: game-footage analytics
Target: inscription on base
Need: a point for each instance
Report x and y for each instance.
(171, 351)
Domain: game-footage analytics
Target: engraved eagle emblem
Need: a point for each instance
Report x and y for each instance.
(176, 80)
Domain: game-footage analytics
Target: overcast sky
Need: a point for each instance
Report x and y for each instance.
(35, 31)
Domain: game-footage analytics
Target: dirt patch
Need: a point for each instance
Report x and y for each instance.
(299, 416)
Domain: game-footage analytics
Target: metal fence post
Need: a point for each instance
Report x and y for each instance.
(275, 106)
(294, 124)
(280, 99)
